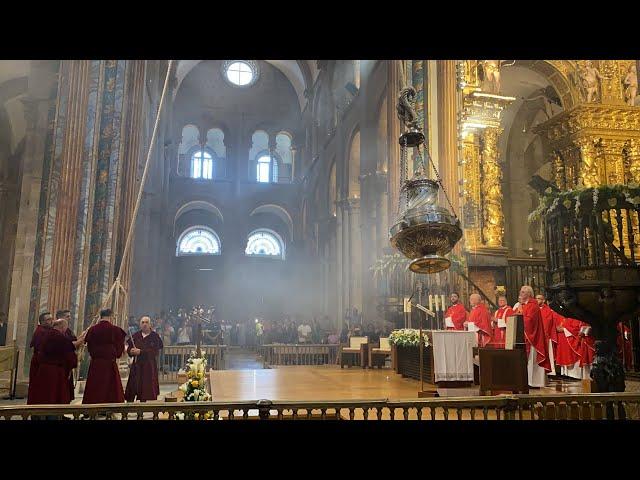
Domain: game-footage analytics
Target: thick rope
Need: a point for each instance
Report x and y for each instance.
(127, 245)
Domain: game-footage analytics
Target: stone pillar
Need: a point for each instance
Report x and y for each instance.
(340, 261)
(355, 254)
(39, 114)
(65, 212)
(393, 127)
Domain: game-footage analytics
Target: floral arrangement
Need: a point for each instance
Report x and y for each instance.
(194, 388)
(408, 337)
(576, 200)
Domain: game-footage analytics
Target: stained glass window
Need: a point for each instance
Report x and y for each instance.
(202, 165)
(263, 243)
(198, 241)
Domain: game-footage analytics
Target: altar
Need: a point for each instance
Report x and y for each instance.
(447, 359)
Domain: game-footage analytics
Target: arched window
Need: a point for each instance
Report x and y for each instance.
(198, 240)
(202, 165)
(265, 243)
(285, 154)
(264, 169)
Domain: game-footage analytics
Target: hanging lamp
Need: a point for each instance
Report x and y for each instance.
(424, 231)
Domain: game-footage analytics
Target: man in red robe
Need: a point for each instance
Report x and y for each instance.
(456, 314)
(105, 343)
(568, 350)
(480, 318)
(536, 348)
(624, 345)
(144, 347)
(500, 316)
(587, 349)
(56, 358)
(66, 315)
(550, 333)
(45, 321)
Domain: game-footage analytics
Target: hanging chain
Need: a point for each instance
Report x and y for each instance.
(439, 180)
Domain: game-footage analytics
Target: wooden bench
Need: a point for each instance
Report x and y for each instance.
(356, 353)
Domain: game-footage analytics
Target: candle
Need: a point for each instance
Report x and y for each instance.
(443, 302)
(15, 323)
(430, 302)
(435, 297)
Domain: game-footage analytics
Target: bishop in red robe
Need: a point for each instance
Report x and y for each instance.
(535, 345)
(144, 347)
(456, 312)
(105, 343)
(56, 358)
(503, 312)
(45, 321)
(549, 321)
(481, 318)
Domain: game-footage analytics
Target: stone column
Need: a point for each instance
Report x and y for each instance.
(340, 261)
(393, 127)
(66, 210)
(39, 115)
(355, 254)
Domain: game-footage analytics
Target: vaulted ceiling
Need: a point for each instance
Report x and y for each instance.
(301, 74)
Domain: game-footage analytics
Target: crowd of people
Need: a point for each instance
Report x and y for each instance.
(551, 340)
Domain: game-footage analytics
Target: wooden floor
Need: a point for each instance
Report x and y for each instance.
(330, 382)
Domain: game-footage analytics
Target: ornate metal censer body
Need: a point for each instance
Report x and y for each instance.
(424, 231)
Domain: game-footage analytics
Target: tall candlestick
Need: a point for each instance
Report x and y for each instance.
(443, 302)
(435, 297)
(430, 302)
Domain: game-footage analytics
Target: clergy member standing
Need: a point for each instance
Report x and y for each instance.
(45, 321)
(624, 345)
(56, 358)
(550, 333)
(456, 314)
(105, 343)
(538, 360)
(144, 347)
(500, 316)
(568, 349)
(481, 318)
(66, 315)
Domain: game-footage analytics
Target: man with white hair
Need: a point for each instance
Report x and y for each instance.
(481, 319)
(144, 346)
(536, 348)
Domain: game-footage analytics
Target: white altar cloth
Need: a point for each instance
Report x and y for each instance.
(453, 355)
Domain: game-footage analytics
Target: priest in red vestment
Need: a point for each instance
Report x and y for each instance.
(480, 318)
(624, 345)
(105, 343)
(45, 321)
(56, 358)
(503, 312)
(144, 347)
(587, 349)
(568, 352)
(536, 348)
(549, 320)
(455, 314)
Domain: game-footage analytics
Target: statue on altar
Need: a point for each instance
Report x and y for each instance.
(589, 79)
(491, 70)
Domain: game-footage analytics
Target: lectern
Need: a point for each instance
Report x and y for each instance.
(506, 369)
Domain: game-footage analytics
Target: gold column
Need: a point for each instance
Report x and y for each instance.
(493, 216)
(69, 194)
(631, 152)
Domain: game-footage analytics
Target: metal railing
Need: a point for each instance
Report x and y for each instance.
(315, 354)
(596, 406)
(174, 357)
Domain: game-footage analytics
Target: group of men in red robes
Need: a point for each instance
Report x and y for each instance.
(551, 339)
(54, 358)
